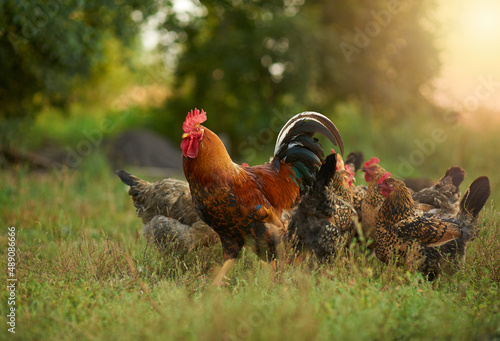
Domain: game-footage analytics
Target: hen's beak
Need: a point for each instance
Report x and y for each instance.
(185, 135)
(363, 169)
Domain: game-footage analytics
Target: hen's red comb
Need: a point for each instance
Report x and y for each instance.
(372, 161)
(193, 117)
(384, 177)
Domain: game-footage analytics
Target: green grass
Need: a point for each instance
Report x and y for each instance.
(85, 272)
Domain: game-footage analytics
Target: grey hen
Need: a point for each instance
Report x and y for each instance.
(167, 213)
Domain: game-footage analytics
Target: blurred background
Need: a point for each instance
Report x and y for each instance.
(109, 83)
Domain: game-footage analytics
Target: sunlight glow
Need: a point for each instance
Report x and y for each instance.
(471, 54)
(481, 20)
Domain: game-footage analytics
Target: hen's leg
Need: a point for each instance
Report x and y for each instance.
(222, 272)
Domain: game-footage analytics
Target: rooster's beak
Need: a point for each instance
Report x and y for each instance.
(185, 135)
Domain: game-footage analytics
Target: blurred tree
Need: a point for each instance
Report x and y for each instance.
(378, 52)
(237, 60)
(240, 60)
(245, 60)
(47, 48)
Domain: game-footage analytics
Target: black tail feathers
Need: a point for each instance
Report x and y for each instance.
(355, 158)
(327, 170)
(476, 196)
(297, 146)
(127, 178)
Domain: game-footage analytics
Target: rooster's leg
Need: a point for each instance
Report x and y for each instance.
(220, 276)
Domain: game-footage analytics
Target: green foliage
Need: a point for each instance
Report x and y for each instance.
(75, 235)
(242, 61)
(245, 63)
(378, 52)
(47, 49)
(226, 63)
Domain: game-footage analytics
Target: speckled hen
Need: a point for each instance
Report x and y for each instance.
(436, 243)
(440, 200)
(323, 222)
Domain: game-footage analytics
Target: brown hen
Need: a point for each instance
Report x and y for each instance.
(372, 200)
(436, 243)
(440, 200)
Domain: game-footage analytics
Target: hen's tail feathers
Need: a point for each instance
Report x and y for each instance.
(127, 178)
(457, 175)
(355, 158)
(476, 196)
(297, 146)
(327, 170)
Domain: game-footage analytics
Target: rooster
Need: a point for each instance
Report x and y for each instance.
(167, 213)
(242, 202)
(323, 223)
(438, 242)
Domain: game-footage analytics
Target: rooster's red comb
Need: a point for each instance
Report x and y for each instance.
(372, 161)
(384, 177)
(193, 117)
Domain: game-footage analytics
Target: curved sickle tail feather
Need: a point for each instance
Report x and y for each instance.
(308, 123)
(297, 147)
